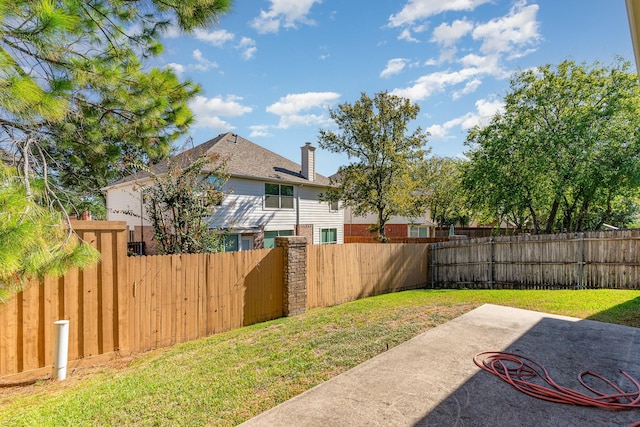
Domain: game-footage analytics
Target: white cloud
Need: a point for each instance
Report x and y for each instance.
(447, 35)
(517, 29)
(177, 68)
(216, 38)
(418, 10)
(297, 102)
(208, 111)
(406, 36)
(485, 110)
(470, 87)
(248, 47)
(437, 132)
(285, 13)
(290, 107)
(488, 64)
(203, 63)
(259, 131)
(437, 82)
(303, 120)
(394, 66)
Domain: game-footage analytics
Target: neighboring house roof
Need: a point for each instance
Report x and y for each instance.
(244, 159)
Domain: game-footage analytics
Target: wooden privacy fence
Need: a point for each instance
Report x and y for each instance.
(341, 273)
(177, 298)
(131, 304)
(576, 260)
(88, 299)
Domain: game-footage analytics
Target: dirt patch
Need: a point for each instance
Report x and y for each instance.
(35, 385)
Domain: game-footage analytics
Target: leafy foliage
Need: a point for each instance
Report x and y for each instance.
(34, 241)
(78, 104)
(444, 194)
(77, 100)
(383, 179)
(565, 154)
(181, 202)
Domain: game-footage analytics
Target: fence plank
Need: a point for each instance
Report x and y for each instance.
(341, 273)
(570, 260)
(30, 301)
(106, 294)
(90, 303)
(9, 345)
(72, 313)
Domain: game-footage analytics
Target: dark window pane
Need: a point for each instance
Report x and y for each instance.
(272, 189)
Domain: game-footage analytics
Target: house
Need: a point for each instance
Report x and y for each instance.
(267, 196)
(396, 227)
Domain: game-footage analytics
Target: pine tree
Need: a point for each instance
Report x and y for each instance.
(33, 243)
(78, 102)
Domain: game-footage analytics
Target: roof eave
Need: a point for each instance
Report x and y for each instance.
(633, 13)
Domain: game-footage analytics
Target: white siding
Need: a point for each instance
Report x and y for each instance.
(313, 211)
(243, 208)
(126, 198)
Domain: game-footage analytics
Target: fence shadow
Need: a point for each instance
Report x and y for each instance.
(565, 348)
(263, 289)
(627, 313)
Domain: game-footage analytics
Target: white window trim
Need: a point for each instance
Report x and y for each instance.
(280, 196)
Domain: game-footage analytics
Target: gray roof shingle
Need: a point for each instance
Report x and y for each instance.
(244, 159)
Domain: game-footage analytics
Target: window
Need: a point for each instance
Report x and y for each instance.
(418, 231)
(334, 206)
(217, 191)
(231, 243)
(237, 242)
(270, 237)
(329, 236)
(278, 196)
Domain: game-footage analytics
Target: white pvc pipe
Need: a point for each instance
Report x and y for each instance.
(60, 349)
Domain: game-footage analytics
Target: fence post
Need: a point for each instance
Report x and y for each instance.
(432, 254)
(491, 261)
(581, 262)
(294, 288)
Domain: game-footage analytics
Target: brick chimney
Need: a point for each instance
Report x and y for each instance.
(308, 161)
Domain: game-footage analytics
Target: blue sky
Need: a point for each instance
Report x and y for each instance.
(271, 69)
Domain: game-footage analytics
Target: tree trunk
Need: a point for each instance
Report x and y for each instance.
(552, 216)
(382, 223)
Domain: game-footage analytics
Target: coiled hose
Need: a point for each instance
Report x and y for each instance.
(520, 371)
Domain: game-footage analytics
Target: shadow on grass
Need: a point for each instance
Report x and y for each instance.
(627, 313)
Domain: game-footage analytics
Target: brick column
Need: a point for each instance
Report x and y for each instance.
(294, 299)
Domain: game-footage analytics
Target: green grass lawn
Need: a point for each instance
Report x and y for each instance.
(226, 379)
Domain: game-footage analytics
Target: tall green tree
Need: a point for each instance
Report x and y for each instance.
(78, 100)
(181, 202)
(444, 194)
(383, 177)
(566, 151)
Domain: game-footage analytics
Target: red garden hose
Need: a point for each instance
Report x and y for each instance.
(519, 371)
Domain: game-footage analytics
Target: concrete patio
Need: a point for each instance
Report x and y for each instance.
(431, 380)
